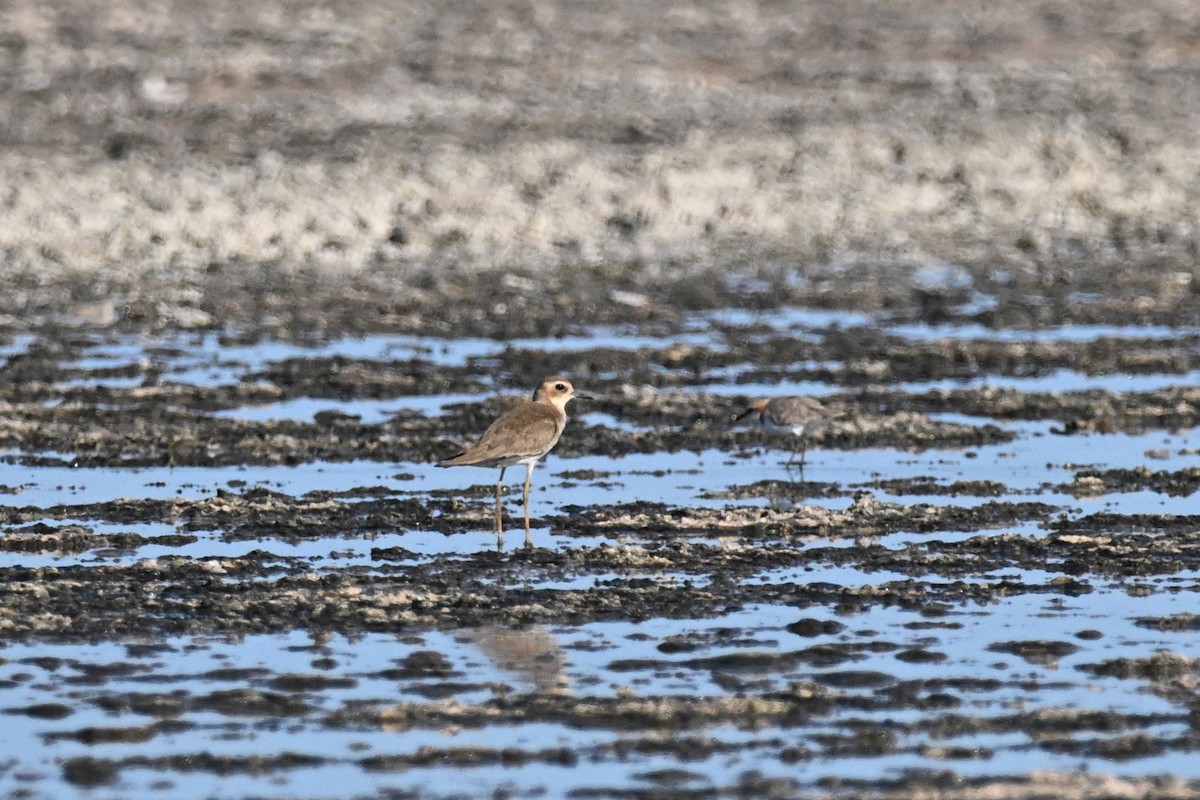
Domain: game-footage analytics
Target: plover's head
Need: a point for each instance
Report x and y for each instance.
(556, 391)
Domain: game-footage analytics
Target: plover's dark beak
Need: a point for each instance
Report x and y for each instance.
(583, 396)
(743, 415)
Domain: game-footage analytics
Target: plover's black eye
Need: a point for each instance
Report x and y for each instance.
(560, 387)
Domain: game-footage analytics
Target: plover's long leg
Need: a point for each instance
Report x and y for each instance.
(528, 478)
(500, 508)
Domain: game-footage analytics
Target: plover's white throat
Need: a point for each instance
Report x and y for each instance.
(522, 435)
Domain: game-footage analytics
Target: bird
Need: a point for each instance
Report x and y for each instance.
(795, 416)
(522, 435)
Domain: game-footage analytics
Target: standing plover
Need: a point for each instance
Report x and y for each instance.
(522, 435)
(789, 415)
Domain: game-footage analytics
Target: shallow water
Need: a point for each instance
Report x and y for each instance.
(605, 659)
(199, 667)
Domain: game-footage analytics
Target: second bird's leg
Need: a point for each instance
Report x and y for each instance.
(499, 507)
(801, 451)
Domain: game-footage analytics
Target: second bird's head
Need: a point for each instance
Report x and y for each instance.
(757, 407)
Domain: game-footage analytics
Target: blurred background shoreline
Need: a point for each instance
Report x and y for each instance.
(320, 166)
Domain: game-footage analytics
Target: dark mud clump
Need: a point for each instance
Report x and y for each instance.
(1092, 482)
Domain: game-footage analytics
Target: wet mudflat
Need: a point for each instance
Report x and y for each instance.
(265, 263)
(230, 567)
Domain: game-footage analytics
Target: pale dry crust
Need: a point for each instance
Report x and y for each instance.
(830, 192)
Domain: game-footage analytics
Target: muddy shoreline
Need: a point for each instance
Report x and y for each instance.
(264, 266)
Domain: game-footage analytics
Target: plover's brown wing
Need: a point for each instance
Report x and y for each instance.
(530, 429)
